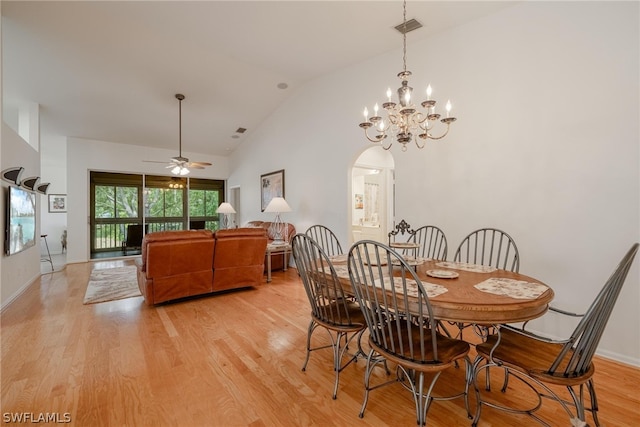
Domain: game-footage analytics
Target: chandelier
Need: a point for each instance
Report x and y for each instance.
(176, 183)
(404, 120)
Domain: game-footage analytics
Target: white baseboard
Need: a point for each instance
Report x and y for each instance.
(20, 291)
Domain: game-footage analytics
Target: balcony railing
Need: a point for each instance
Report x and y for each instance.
(109, 236)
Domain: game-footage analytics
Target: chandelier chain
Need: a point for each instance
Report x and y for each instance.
(404, 35)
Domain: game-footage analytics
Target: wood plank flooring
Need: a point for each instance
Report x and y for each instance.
(232, 359)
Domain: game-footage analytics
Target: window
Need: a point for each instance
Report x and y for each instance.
(116, 202)
(164, 206)
(163, 202)
(205, 196)
(160, 202)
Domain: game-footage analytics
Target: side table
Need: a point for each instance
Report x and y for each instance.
(277, 249)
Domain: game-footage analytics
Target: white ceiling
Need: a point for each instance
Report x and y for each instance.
(109, 70)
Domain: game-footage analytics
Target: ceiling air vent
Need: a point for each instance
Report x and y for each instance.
(412, 24)
(241, 130)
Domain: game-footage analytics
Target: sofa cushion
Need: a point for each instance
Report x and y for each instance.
(239, 258)
(171, 236)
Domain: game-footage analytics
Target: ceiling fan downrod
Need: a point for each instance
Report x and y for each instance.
(180, 97)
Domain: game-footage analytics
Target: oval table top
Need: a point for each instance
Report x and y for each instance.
(474, 295)
(464, 302)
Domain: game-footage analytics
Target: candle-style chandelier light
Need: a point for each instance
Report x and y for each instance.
(404, 120)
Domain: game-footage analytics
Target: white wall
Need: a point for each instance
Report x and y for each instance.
(53, 163)
(546, 147)
(21, 269)
(87, 155)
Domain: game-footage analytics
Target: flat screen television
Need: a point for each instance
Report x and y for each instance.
(20, 231)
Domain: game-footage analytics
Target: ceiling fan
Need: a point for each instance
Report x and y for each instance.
(180, 165)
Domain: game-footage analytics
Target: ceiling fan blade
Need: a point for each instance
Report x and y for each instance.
(154, 161)
(200, 163)
(194, 166)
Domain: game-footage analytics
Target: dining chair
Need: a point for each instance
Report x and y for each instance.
(491, 247)
(133, 239)
(432, 241)
(325, 238)
(401, 325)
(401, 228)
(539, 361)
(330, 308)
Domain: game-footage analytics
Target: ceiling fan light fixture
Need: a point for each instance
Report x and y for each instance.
(180, 170)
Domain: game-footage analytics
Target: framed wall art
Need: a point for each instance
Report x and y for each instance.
(271, 185)
(57, 203)
(359, 201)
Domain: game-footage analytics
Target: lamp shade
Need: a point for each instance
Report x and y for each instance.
(225, 208)
(278, 204)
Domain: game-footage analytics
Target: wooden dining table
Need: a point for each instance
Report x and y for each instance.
(475, 294)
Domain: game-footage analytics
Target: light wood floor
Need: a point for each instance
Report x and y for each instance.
(225, 360)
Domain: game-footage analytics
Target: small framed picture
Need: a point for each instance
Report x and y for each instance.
(57, 203)
(271, 185)
(359, 201)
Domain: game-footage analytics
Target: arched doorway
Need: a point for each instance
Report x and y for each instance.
(372, 196)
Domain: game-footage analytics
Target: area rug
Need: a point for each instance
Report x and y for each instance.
(112, 284)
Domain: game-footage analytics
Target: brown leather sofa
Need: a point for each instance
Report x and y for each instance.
(278, 260)
(178, 264)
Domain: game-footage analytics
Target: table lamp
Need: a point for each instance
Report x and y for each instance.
(225, 209)
(278, 229)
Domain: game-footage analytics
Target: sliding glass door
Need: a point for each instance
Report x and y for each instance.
(115, 205)
(123, 202)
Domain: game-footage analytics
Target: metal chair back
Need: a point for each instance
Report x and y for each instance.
(585, 338)
(325, 238)
(328, 302)
(491, 247)
(396, 309)
(432, 241)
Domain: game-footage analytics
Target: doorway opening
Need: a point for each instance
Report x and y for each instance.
(372, 201)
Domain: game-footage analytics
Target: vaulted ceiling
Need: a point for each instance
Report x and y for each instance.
(109, 70)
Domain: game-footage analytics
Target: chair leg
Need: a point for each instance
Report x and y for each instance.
(469, 380)
(337, 358)
(312, 326)
(372, 361)
(578, 400)
(367, 377)
(422, 400)
(339, 352)
(594, 402)
(418, 396)
(542, 390)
